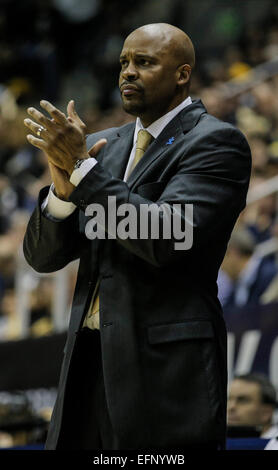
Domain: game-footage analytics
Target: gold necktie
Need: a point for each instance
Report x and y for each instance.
(95, 308)
(144, 139)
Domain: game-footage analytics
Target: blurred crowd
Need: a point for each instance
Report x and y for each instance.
(68, 49)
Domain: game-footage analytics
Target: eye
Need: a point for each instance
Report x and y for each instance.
(143, 61)
(123, 63)
(243, 400)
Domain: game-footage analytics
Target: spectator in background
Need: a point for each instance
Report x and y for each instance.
(244, 275)
(41, 294)
(259, 217)
(40, 321)
(9, 320)
(40, 308)
(251, 403)
(20, 425)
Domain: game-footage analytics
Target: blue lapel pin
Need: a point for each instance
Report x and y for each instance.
(170, 141)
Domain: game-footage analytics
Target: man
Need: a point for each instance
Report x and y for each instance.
(145, 359)
(244, 275)
(251, 403)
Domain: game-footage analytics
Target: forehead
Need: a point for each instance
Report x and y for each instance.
(240, 388)
(141, 42)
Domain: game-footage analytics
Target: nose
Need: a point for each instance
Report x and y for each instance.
(130, 73)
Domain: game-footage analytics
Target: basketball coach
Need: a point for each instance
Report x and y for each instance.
(145, 358)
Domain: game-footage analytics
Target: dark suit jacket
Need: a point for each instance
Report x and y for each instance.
(161, 324)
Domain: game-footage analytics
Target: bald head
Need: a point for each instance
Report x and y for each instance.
(171, 40)
(156, 64)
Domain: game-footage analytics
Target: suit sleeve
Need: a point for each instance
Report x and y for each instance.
(49, 245)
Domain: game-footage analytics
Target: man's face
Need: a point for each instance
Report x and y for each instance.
(148, 77)
(244, 404)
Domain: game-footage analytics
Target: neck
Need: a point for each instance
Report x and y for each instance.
(151, 116)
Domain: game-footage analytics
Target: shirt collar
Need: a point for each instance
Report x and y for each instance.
(157, 126)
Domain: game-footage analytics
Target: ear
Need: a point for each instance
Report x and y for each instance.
(184, 73)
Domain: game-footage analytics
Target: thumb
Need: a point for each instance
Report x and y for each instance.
(97, 147)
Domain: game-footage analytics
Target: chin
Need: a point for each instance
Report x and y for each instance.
(233, 422)
(133, 108)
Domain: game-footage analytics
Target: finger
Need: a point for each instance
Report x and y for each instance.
(39, 143)
(73, 117)
(55, 113)
(38, 130)
(41, 118)
(71, 109)
(97, 147)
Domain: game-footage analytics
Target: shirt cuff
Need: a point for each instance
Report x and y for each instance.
(78, 174)
(56, 208)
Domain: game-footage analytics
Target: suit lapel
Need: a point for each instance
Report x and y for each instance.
(169, 138)
(117, 150)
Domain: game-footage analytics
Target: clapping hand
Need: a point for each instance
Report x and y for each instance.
(63, 139)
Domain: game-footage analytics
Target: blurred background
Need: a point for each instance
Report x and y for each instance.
(68, 49)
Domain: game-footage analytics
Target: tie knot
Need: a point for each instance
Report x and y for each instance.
(143, 140)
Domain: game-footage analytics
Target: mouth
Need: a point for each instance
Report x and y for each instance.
(129, 90)
(233, 421)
